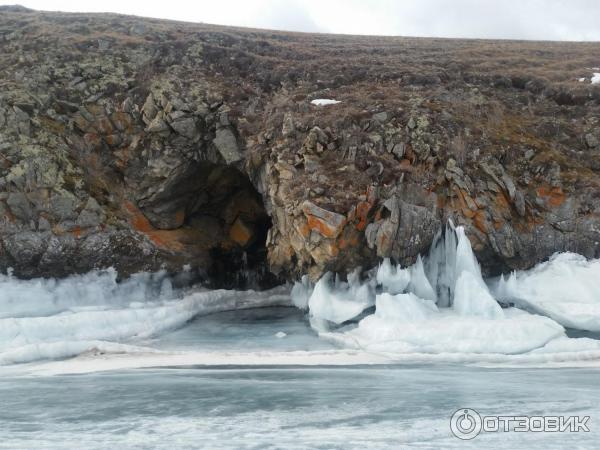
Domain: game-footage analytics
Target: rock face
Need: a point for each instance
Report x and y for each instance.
(144, 144)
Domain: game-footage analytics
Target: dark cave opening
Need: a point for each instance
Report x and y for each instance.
(221, 219)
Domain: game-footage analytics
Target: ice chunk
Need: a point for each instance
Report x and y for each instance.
(324, 102)
(447, 332)
(465, 260)
(419, 284)
(565, 288)
(280, 334)
(455, 275)
(338, 302)
(301, 292)
(472, 298)
(43, 297)
(403, 307)
(393, 278)
(440, 265)
(596, 78)
(141, 307)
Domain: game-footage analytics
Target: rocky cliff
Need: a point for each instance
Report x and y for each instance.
(142, 144)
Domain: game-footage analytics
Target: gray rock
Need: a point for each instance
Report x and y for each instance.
(381, 117)
(288, 127)
(20, 206)
(186, 127)
(519, 203)
(149, 110)
(25, 247)
(591, 140)
(227, 145)
(510, 186)
(63, 206)
(92, 215)
(398, 150)
(158, 125)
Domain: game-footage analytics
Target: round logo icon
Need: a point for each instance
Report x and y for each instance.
(465, 423)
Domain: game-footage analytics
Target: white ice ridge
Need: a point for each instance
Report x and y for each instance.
(84, 313)
(48, 296)
(443, 304)
(565, 288)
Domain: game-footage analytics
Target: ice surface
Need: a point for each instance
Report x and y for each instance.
(350, 408)
(324, 101)
(565, 288)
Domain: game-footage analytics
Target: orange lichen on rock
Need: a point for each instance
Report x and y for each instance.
(480, 222)
(76, 231)
(326, 223)
(241, 233)
(362, 214)
(553, 197)
(138, 221)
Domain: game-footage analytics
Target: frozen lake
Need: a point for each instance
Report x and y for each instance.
(378, 360)
(275, 406)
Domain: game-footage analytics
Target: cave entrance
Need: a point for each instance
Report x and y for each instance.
(223, 223)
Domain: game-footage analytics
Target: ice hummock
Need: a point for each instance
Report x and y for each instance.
(49, 319)
(336, 301)
(565, 288)
(443, 305)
